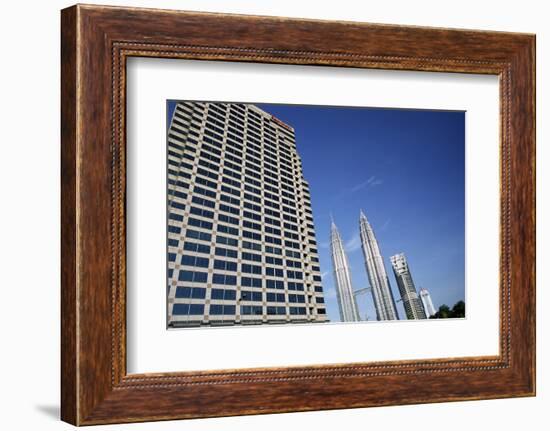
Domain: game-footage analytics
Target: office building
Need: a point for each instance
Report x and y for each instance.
(382, 295)
(241, 238)
(426, 299)
(409, 296)
(342, 278)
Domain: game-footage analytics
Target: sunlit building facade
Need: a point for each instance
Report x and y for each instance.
(241, 239)
(342, 278)
(426, 299)
(382, 295)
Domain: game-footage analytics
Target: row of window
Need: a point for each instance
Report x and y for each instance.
(222, 251)
(249, 181)
(246, 268)
(236, 211)
(213, 135)
(255, 216)
(271, 176)
(237, 117)
(231, 280)
(222, 309)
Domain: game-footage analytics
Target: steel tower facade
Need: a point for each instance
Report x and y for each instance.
(342, 278)
(382, 295)
(411, 301)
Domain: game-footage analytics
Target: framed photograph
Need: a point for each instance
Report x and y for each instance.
(265, 214)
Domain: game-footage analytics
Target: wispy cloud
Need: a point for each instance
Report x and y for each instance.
(353, 244)
(324, 274)
(385, 225)
(329, 293)
(372, 181)
(324, 244)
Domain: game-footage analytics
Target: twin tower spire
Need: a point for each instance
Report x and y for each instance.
(384, 302)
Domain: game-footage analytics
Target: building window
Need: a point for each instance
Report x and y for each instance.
(274, 272)
(276, 310)
(174, 216)
(200, 223)
(200, 262)
(228, 229)
(275, 297)
(252, 246)
(251, 310)
(251, 282)
(251, 256)
(218, 309)
(225, 265)
(190, 292)
(226, 252)
(251, 269)
(193, 276)
(228, 280)
(292, 285)
(198, 235)
(201, 212)
(174, 229)
(198, 248)
(296, 298)
(226, 240)
(297, 311)
(223, 294)
(251, 296)
(188, 309)
(275, 284)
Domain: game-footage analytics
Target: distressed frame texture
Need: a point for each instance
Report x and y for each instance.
(96, 41)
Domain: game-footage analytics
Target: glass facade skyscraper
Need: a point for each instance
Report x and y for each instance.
(241, 238)
(382, 295)
(427, 302)
(409, 296)
(342, 278)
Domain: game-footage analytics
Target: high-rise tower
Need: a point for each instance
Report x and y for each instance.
(411, 301)
(241, 239)
(382, 295)
(427, 302)
(342, 278)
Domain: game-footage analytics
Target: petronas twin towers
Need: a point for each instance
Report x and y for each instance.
(378, 279)
(384, 302)
(342, 278)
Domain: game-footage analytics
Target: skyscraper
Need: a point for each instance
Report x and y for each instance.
(382, 295)
(342, 278)
(427, 302)
(241, 239)
(411, 301)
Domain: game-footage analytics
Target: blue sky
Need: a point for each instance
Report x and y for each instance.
(405, 169)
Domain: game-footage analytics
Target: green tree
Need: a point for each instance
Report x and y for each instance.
(459, 309)
(444, 312)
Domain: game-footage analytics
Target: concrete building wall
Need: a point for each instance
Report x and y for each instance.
(241, 238)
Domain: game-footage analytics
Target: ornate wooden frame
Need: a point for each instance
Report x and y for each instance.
(95, 43)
